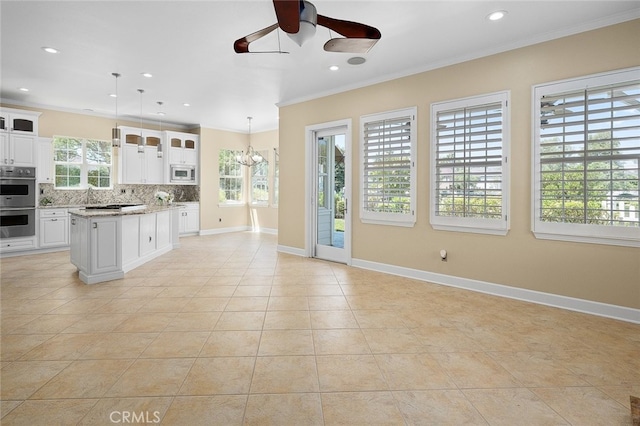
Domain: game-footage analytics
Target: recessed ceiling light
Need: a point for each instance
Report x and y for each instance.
(50, 49)
(147, 74)
(113, 95)
(497, 15)
(186, 104)
(23, 89)
(334, 68)
(356, 60)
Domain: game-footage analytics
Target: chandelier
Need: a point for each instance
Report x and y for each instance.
(251, 157)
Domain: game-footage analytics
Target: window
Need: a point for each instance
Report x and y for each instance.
(260, 180)
(82, 162)
(231, 177)
(388, 167)
(276, 175)
(586, 159)
(470, 176)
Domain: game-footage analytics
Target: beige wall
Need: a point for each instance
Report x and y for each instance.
(602, 273)
(212, 215)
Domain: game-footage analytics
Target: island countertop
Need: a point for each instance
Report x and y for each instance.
(83, 212)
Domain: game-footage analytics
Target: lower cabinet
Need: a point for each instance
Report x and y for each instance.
(96, 248)
(53, 228)
(190, 218)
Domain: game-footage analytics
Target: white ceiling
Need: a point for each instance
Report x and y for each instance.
(188, 47)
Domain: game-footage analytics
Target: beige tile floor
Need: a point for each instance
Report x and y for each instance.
(225, 330)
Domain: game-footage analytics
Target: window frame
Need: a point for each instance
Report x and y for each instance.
(574, 232)
(276, 177)
(84, 165)
(481, 225)
(241, 177)
(390, 218)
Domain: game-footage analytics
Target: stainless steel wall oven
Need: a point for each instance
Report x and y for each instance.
(17, 201)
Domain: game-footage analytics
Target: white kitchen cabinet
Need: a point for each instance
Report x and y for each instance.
(18, 135)
(147, 234)
(189, 218)
(78, 236)
(44, 156)
(96, 248)
(163, 230)
(183, 148)
(53, 228)
(141, 167)
(104, 245)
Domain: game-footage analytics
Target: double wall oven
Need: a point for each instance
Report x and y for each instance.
(17, 202)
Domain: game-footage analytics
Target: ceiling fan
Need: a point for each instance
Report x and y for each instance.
(298, 18)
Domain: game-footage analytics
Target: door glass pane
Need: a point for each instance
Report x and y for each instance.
(330, 214)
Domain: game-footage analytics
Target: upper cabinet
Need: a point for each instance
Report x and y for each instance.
(140, 165)
(18, 134)
(183, 148)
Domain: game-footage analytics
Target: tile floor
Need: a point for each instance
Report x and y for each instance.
(227, 331)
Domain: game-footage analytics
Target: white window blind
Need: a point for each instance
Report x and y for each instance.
(388, 167)
(470, 174)
(587, 158)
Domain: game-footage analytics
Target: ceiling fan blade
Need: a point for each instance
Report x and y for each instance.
(242, 44)
(288, 14)
(349, 29)
(349, 45)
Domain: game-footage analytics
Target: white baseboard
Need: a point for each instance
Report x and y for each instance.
(292, 250)
(269, 231)
(224, 230)
(579, 305)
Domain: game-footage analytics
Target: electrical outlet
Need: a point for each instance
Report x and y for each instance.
(123, 191)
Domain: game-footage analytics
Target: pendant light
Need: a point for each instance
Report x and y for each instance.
(141, 140)
(252, 157)
(160, 113)
(115, 132)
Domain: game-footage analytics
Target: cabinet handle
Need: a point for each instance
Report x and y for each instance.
(54, 220)
(95, 226)
(12, 161)
(73, 221)
(149, 239)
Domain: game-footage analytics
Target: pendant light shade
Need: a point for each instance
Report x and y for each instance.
(141, 140)
(160, 113)
(115, 132)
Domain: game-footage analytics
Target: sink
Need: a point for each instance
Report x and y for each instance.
(118, 207)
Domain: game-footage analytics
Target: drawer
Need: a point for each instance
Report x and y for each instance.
(53, 212)
(17, 244)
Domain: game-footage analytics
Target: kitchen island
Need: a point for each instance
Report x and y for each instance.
(108, 242)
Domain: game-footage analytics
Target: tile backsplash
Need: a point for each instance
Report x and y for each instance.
(120, 194)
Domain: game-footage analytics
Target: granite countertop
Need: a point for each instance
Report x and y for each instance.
(80, 211)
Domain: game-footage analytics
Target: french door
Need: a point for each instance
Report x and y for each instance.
(329, 222)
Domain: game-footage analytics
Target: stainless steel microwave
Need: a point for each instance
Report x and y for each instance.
(181, 173)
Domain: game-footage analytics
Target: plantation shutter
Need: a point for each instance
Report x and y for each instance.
(469, 161)
(388, 167)
(589, 152)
